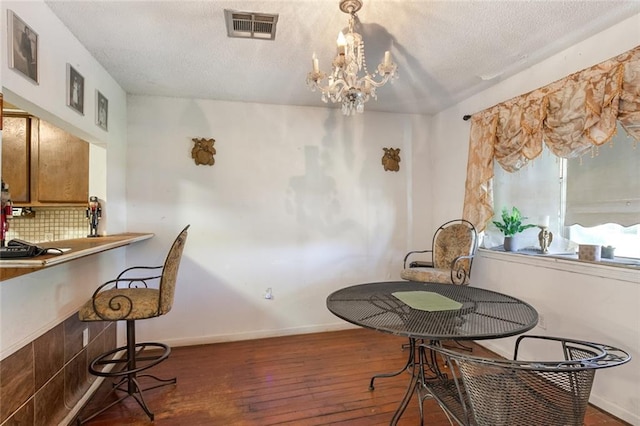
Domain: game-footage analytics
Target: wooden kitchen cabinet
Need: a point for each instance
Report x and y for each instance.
(16, 168)
(57, 164)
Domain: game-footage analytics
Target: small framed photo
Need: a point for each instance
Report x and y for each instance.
(23, 47)
(75, 89)
(102, 111)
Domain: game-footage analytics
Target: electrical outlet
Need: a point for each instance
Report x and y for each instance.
(48, 237)
(85, 337)
(542, 322)
(268, 294)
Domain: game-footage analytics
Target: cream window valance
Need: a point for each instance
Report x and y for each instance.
(570, 116)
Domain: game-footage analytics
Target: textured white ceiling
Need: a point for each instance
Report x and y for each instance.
(446, 51)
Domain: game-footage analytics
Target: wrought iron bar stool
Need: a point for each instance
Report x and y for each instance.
(129, 297)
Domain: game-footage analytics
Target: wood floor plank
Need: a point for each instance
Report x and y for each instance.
(305, 380)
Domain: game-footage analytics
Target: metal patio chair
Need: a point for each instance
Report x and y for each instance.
(499, 392)
(450, 257)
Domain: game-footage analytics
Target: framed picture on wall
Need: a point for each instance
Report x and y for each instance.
(23, 47)
(75, 89)
(102, 110)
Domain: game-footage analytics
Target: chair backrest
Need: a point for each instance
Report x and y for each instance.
(502, 395)
(500, 392)
(167, 285)
(454, 239)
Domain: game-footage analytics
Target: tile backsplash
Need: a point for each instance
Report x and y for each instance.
(50, 224)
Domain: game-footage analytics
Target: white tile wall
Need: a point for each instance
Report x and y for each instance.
(50, 224)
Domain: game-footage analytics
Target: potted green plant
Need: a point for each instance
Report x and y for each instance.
(510, 226)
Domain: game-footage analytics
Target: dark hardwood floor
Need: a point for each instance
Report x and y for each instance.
(312, 379)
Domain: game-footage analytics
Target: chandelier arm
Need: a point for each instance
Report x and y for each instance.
(331, 87)
(374, 83)
(333, 91)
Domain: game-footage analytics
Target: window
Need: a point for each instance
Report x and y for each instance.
(626, 241)
(590, 200)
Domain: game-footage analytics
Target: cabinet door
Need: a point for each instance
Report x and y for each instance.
(15, 157)
(62, 170)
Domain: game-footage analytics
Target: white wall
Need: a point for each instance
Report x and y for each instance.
(601, 307)
(32, 304)
(598, 304)
(297, 201)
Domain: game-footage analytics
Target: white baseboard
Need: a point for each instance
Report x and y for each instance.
(614, 410)
(88, 394)
(76, 408)
(252, 335)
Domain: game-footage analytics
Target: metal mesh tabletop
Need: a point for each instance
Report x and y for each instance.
(484, 314)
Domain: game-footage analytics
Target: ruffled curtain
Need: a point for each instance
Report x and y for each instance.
(570, 116)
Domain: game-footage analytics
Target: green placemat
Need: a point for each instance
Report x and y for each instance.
(427, 301)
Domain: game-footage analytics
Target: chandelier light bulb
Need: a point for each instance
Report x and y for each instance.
(342, 41)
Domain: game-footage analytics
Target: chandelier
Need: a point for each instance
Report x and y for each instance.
(345, 84)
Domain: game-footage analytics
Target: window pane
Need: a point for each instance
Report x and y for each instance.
(535, 190)
(605, 187)
(626, 241)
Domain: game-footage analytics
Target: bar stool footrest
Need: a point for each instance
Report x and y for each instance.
(147, 361)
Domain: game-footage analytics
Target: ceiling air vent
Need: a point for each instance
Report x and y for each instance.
(251, 25)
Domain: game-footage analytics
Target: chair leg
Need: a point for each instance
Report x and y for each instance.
(135, 362)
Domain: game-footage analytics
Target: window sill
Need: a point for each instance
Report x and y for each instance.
(570, 263)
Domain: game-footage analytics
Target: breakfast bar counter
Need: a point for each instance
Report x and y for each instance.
(71, 249)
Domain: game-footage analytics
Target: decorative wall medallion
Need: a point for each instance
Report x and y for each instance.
(203, 151)
(391, 159)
